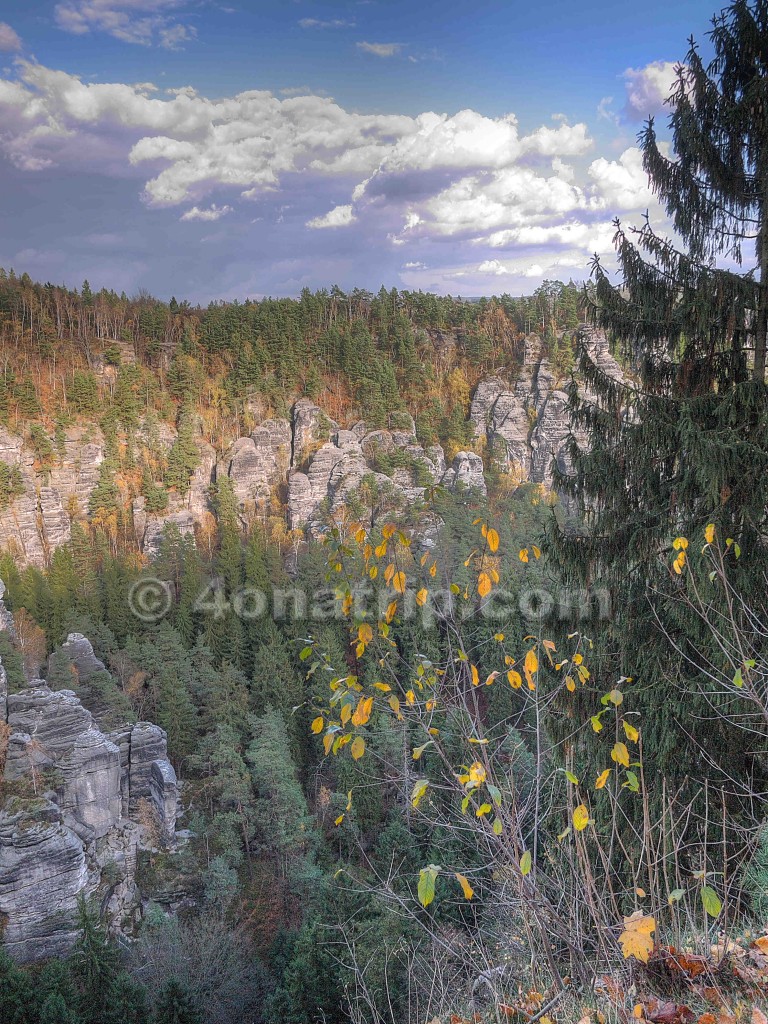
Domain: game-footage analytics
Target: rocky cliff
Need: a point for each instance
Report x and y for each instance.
(78, 803)
(316, 465)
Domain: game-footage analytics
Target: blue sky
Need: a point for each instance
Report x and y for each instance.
(228, 150)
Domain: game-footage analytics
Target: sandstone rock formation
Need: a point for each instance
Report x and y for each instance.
(74, 803)
(521, 426)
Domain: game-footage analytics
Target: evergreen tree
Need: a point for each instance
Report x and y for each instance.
(174, 1006)
(685, 442)
(16, 993)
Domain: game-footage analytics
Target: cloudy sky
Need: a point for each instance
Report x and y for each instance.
(225, 149)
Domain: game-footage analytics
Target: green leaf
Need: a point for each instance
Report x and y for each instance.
(495, 794)
(498, 827)
(676, 895)
(426, 887)
(632, 783)
(305, 653)
(738, 679)
(710, 901)
(571, 778)
(526, 863)
(597, 725)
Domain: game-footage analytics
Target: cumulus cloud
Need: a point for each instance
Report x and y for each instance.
(506, 200)
(338, 217)
(213, 212)
(143, 22)
(492, 267)
(9, 39)
(648, 88)
(381, 49)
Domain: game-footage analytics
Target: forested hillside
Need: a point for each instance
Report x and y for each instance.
(398, 658)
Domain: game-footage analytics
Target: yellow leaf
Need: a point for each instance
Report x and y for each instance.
(578, 659)
(388, 531)
(362, 711)
(678, 563)
(482, 810)
(381, 549)
(484, 584)
(641, 892)
(358, 747)
(475, 675)
(523, 554)
(327, 743)
(679, 543)
(490, 679)
(466, 888)
(630, 732)
(526, 863)
(433, 570)
(339, 819)
(531, 662)
(602, 778)
(493, 540)
(580, 818)
(389, 572)
(498, 636)
(421, 597)
(398, 582)
(515, 679)
(346, 713)
(709, 533)
(394, 703)
(536, 551)
(391, 609)
(317, 725)
(365, 634)
(620, 754)
(373, 572)
(410, 697)
(636, 938)
(570, 683)
(477, 774)
(384, 687)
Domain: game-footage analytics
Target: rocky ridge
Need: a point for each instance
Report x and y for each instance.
(520, 426)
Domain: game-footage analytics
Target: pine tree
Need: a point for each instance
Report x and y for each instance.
(16, 993)
(174, 1006)
(685, 441)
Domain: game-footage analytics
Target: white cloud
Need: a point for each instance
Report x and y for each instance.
(213, 212)
(9, 38)
(648, 88)
(381, 49)
(142, 22)
(492, 267)
(506, 201)
(338, 217)
(319, 23)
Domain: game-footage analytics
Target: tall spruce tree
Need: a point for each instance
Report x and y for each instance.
(684, 442)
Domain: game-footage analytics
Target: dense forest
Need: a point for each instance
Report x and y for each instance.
(499, 757)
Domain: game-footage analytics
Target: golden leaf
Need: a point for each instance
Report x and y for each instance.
(620, 754)
(317, 725)
(398, 582)
(475, 675)
(365, 634)
(523, 554)
(680, 543)
(358, 747)
(466, 888)
(421, 597)
(581, 818)
(362, 711)
(493, 540)
(636, 938)
(602, 778)
(515, 679)
(630, 732)
(484, 584)
(709, 533)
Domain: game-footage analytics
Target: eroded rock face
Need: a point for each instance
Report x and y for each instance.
(109, 793)
(43, 871)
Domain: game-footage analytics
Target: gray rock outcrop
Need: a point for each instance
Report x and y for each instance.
(78, 803)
